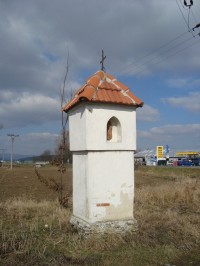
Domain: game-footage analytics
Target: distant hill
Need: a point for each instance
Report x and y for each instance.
(17, 157)
(25, 159)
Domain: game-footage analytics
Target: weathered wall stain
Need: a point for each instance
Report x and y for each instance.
(124, 209)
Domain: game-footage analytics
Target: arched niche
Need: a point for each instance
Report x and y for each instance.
(114, 132)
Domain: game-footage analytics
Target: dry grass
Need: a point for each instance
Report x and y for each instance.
(22, 181)
(173, 209)
(32, 229)
(35, 230)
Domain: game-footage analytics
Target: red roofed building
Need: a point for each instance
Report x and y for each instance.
(104, 88)
(102, 130)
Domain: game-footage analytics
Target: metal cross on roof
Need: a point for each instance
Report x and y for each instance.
(102, 61)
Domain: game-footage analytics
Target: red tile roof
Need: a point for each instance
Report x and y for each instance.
(103, 88)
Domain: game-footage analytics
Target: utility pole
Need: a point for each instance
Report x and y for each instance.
(12, 137)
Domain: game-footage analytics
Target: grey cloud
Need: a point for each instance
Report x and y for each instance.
(184, 83)
(177, 129)
(190, 102)
(31, 143)
(178, 83)
(35, 37)
(29, 109)
(36, 143)
(147, 113)
(50, 26)
(174, 135)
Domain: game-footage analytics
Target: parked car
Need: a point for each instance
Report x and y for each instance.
(162, 161)
(196, 161)
(170, 162)
(185, 162)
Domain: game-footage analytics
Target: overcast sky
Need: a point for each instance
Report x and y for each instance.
(148, 47)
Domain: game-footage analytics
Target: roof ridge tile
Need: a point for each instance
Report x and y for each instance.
(87, 93)
(104, 88)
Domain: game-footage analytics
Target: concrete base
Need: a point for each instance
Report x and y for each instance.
(119, 227)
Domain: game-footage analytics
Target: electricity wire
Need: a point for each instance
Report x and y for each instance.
(182, 15)
(189, 18)
(139, 66)
(152, 52)
(142, 68)
(190, 9)
(186, 22)
(194, 20)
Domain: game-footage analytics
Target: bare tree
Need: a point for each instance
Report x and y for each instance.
(64, 120)
(67, 154)
(64, 116)
(63, 144)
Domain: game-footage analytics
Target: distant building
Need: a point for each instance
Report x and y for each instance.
(39, 164)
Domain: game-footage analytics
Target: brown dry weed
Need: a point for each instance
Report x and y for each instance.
(37, 231)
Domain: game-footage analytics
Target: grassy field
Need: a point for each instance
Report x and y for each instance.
(35, 230)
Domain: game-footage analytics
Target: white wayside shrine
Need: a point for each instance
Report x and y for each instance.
(102, 127)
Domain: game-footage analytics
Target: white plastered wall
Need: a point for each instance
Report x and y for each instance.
(80, 185)
(103, 171)
(88, 127)
(103, 186)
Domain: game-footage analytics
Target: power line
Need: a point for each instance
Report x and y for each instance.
(163, 53)
(186, 22)
(143, 62)
(189, 17)
(182, 15)
(197, 24)
(179, 51)
(152, 52)
(185, 6)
